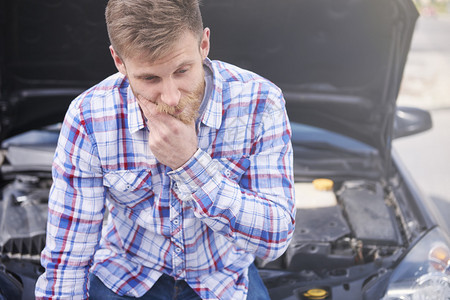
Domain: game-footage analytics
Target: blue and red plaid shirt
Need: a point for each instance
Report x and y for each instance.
(204, 222)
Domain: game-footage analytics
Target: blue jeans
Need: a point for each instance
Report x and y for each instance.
(167, 288)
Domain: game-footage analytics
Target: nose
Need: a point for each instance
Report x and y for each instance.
(170, 94)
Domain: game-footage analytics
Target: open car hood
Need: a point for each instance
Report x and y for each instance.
(339, 63)
(50, 51)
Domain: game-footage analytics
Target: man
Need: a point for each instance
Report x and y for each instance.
(192, 158)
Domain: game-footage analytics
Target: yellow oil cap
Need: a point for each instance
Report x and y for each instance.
(315, 294)
(323, 184)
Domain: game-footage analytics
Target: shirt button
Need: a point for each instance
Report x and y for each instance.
(175, 221)
(177, 250)
(228, 173)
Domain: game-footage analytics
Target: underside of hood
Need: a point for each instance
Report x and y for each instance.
(50, 51)
(338, 62)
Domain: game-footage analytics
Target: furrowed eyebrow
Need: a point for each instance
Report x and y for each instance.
(144, 75)
(184, 64)
(179, 66)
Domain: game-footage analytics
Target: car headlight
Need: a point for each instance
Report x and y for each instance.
(424, 274)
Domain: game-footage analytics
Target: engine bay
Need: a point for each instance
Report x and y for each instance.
(346, 230)
(338, 223)
(24, 217)
(348, 223)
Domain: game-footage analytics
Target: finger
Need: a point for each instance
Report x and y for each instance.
(147, 107)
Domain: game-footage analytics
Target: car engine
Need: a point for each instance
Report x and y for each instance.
(25, 184)
(351, 223)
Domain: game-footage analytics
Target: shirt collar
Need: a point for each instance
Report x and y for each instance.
(135, 118)
(211, 117)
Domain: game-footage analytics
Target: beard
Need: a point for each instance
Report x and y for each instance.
(187, 109)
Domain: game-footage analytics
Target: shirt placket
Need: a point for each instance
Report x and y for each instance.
(177, 243)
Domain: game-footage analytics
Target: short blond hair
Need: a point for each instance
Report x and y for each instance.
(150, 27)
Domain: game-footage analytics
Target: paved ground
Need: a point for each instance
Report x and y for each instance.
(426, 84)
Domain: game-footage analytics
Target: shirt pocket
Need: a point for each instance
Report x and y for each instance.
(130, 188)
(235, 168)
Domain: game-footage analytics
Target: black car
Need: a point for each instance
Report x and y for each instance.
(363, 230)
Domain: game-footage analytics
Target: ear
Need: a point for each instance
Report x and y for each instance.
(118, 61)
(204, 43)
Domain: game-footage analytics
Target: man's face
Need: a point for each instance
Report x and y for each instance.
(174, 82)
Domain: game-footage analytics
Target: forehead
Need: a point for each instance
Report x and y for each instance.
(184, 49)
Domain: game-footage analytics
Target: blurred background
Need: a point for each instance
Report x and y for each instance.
(426, 84)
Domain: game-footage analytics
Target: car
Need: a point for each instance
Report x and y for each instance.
(363, 229)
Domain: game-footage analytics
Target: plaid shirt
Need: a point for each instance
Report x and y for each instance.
(204, 222)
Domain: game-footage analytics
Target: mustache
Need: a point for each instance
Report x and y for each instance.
(187, 109)
(171, 110)
(188, 105)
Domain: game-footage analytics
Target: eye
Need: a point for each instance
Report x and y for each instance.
(151, 79)
(182, 71)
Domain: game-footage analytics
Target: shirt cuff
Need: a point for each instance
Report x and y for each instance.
(194, 174)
